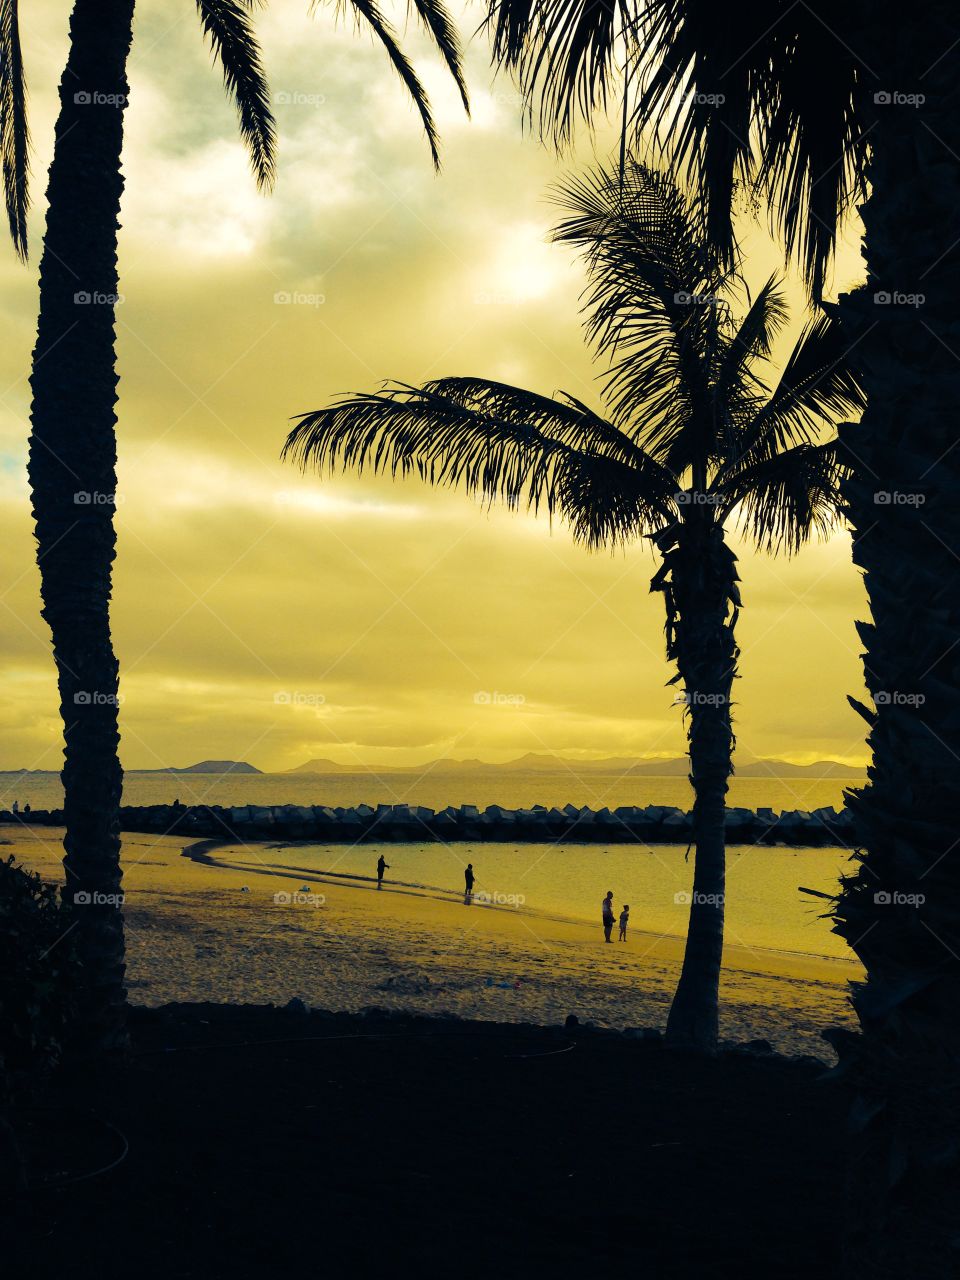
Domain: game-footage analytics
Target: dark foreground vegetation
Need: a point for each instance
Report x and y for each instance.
(248, 1141)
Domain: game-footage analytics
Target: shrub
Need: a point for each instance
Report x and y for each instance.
(36, 967)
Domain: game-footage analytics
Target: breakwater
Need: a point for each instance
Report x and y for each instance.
(653, 824)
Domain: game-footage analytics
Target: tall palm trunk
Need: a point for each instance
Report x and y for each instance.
(900, 911)
(73, 481)
(699, 579)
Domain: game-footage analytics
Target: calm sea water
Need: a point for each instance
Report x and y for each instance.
(764, 907)
(434, 789)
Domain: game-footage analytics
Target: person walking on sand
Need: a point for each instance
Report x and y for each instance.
(468, 883)
(382, 866)
(607, 911)
(624, 919)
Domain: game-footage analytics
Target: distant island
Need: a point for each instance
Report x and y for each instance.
(204, 766)
(208, 766)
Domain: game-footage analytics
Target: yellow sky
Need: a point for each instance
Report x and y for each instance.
(265, 616)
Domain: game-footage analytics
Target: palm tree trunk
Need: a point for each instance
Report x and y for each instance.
(900, 910)
(700, 638)
(72, 470)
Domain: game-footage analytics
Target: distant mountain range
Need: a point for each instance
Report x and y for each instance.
(532, 762)
(620, 765)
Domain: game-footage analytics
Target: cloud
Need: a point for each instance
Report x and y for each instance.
(238, 578)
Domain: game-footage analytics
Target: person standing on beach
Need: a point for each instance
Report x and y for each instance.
(624, 920)
(382, 866)
(468, 882)
(607, 913)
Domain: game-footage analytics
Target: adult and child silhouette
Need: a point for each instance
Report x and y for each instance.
(608, 918)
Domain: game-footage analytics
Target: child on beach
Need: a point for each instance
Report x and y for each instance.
(624, 917)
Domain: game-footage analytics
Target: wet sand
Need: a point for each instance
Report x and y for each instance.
(199, 928)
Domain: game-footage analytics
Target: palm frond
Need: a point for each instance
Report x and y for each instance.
(564, 54)
(14, 136)
(786, 498)
(408, 430)
(654, 296)
(368, 12)
(754, 336)
(560, 417)
(234, 44)
(730, 89)
(437, 20)
(818, 385)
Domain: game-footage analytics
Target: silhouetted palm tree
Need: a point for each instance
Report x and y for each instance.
(694, 437)
(73, 444)
(14, 139)
(819, 106)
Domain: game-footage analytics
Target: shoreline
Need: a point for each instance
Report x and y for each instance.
(203, 851)
(193, 926)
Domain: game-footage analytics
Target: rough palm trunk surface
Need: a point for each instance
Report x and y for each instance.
(900, 910)
(701, 591)
(72, 470)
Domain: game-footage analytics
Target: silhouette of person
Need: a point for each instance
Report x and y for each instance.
(26, 808)
(16, 806)
(624, 921)
(382, 866)
(607, 914)
(468, 882)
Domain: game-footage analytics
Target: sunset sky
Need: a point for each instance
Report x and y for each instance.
(271, 617)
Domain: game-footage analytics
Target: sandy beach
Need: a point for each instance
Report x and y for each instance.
(199, 928)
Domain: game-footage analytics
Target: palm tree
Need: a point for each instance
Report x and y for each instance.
(73, 442)
(14, 139)
(693, 438)
(818, 107)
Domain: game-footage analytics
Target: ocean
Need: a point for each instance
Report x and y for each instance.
(764, 905)
(515, 789)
